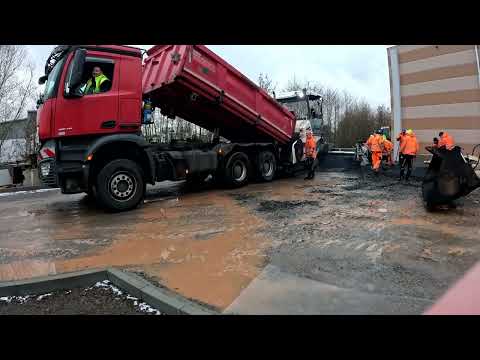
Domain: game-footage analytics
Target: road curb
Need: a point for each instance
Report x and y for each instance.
(45, 284)
(164, 300)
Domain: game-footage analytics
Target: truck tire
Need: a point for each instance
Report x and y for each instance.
(120, 185)
(266, 166)
(237, 170)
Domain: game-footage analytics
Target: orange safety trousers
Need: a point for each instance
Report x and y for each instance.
(376, 160)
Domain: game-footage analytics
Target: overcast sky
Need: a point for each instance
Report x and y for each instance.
(360, 69)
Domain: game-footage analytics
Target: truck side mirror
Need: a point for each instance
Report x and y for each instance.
(42, 80)
(74, 78)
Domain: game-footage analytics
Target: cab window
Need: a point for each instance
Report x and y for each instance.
(97, 67)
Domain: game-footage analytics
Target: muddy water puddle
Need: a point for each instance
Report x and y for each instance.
(202, 245)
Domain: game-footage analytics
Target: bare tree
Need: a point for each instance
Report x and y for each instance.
(164, 129)
(16, 87)
(293, 85)
(296, 85)
(266, 83)
(383, 117)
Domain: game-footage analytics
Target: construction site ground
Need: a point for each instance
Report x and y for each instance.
(344, 243)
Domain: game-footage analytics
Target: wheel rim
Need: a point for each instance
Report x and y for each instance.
(239, 171)
(122, 186)
(267, 167)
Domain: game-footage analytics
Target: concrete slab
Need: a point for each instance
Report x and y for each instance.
(275, 292)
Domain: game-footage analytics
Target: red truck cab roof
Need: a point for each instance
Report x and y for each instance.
(127, 50)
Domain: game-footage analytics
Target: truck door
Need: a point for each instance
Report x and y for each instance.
(93, 113)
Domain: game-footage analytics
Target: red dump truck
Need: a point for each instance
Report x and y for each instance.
(93, 143)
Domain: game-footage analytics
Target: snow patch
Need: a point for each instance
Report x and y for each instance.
(147, 308)
(20, 299)
(144, 307)
(106, 284)
(25, 192)
(43, 296)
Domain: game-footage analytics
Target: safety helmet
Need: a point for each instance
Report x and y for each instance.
(409, 131)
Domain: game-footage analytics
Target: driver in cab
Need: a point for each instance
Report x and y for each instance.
(98, 83)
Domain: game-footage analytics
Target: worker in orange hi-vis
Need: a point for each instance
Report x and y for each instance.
(310, 155)
(446, 140)
(388, 149)
(409, 150)
(375, 144)
(367, 144)
(401, 140)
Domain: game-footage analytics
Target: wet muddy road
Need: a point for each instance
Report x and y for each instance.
(342, 243)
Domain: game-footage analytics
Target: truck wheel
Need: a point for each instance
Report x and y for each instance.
(120, 185)
(237, 170)
(266, 166)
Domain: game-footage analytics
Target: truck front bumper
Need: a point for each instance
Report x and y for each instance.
(72, 178)
(47, 172)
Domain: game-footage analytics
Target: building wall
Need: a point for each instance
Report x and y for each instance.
(18, 138)
(12, 150)
(434, 88)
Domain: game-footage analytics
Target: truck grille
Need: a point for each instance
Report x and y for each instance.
(49, 179)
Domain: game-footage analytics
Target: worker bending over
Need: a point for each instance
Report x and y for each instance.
(409, 152)
(375, 145)
(310, 155)
(446, 140)
(388, 149)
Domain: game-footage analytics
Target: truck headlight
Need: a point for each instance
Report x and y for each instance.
(45, 168)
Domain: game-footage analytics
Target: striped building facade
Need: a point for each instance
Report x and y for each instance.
(434, 88)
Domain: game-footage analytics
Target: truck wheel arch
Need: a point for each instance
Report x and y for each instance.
(127, 146)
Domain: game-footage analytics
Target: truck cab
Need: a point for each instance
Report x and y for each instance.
(308, 109)
(73, 125)
(66, 112)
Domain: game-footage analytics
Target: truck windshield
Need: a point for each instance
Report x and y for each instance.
(299, 108)
(316, 125)
(51, 86)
